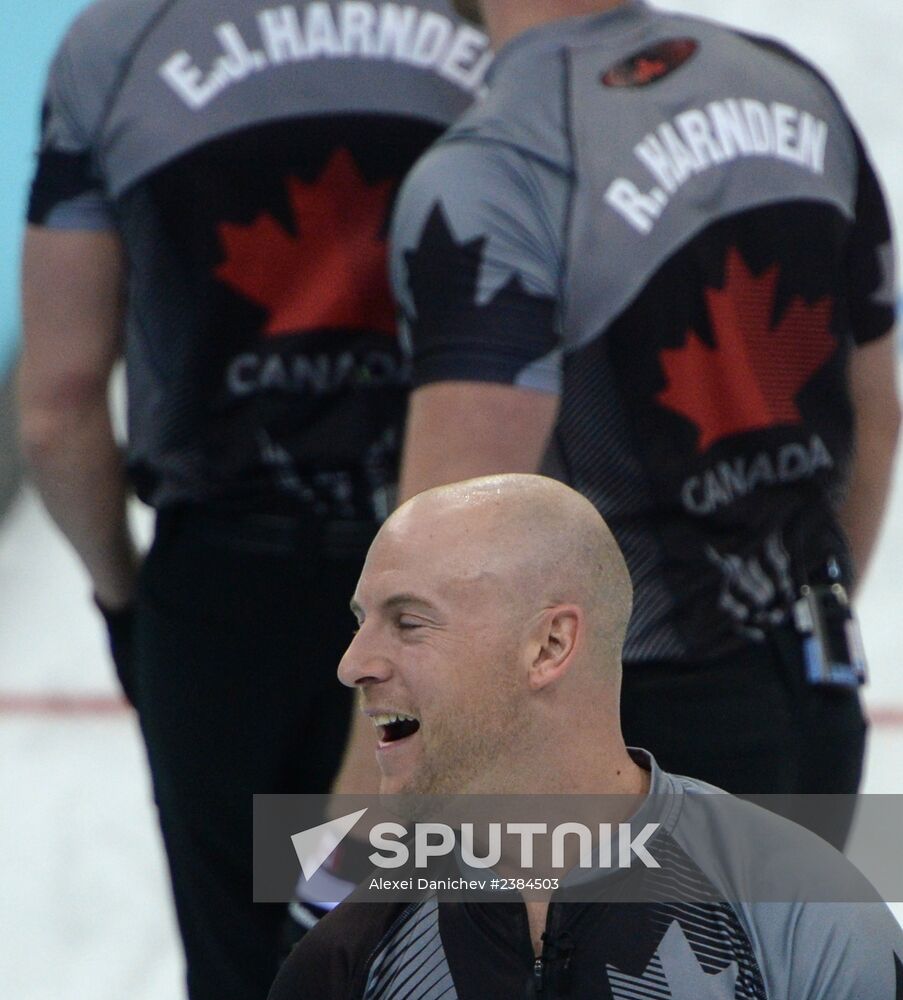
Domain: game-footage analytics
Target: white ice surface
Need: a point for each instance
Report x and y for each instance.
(84, 907)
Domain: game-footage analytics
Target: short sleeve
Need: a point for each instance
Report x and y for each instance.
(67, 191)
(871, 264)
(828, 950)
(845, 951)
(314, 969)
(476, 269)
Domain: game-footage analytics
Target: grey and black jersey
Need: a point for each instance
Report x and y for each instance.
(674, 227)
(249, 154)
(703, 934)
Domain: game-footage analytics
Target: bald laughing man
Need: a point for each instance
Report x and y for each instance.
(518, 571)
(491, 618)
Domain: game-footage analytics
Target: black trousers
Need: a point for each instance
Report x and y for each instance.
(240, 625)
(750, 723)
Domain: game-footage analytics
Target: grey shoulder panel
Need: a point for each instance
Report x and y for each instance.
(751, 854)
(472, 240)
(827, 951)
(486, 192)
(816, 926)
(730, 126)
(501, 177)
(525, 109)
(205, 69)
(88, 65)
(69, 191)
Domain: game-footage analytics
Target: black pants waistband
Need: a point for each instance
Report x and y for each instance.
(266, 531)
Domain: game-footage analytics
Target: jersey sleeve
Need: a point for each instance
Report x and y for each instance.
(331, 960)
(475, 269)
(845, 951)
(313, 970)
(829, 950)
(871, 265)
(67, 191)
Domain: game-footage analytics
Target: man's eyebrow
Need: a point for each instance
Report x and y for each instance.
(395, 601)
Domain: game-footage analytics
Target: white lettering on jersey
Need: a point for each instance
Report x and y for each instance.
(701, 139)
(354, 28)
(317, 375)
(728, 481)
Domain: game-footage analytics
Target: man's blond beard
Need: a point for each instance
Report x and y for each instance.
(469, 9)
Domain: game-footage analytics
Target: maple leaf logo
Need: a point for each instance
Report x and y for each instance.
(675, 968)
(450, 325)
(329, 274)
(749, 380)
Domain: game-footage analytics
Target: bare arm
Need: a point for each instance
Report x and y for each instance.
(72, 289)
(459, 430)
(876, 404)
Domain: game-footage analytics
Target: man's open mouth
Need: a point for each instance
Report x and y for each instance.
(395, 726)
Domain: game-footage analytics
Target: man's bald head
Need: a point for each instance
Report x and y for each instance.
(492, 614)
(545, 544)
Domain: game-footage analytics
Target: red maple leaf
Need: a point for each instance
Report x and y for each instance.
(332, 274)
(646, 70)
(750, 378)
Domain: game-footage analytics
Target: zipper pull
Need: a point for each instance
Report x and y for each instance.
(539, 976)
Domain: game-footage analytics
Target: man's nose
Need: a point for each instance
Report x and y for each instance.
(362, 663)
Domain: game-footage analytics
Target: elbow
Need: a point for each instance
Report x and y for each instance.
(54, 422)
(897, 418)
(892, 425)
(42, 436)
(878, 428)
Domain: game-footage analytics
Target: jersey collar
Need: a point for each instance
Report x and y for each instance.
(566, 31)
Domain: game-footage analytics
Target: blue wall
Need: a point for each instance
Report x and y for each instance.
(29, 34)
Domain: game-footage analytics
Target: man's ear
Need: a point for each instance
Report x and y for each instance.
(553, 644)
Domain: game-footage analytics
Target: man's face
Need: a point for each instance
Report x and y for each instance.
(436, 658)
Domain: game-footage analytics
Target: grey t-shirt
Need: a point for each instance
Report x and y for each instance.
(249, 155)
(728, 916)
(676, 229)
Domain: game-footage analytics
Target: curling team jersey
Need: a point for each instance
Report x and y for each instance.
(675, 228)
(249, 155)
(701, 936)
